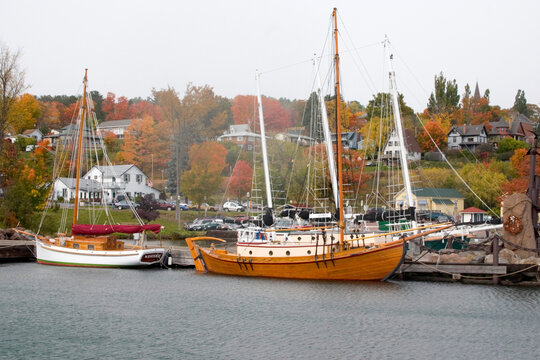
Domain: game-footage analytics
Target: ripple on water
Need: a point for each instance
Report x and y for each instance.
(56, 312)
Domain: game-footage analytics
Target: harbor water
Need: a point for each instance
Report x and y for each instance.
(77, 313)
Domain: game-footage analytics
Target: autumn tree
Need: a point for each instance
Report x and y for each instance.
(432, 130)
(521, 164)
(381, 106)
(375, 133)
(143, 145)
(240, 181)
(244, 109)
(345, 114)
(295, 108)
(206, 161)
(445, 98)
(11, 85)
(485, 182)
(147, 209)
(115, 109)
(24, 113)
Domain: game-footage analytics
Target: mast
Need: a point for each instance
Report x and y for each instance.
(263, 145)
(327, 137)
(79, 149)
(341, 221)
(399, 129)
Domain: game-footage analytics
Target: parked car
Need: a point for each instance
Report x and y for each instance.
(229, 226)
(207, 207)
(206, 225)
(125, 204)
(166, 205)
(233, 206)
(196, 224)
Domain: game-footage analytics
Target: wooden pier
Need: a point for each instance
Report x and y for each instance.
(17, 250)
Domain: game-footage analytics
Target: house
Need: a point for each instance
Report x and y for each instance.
(116, 127)
(499, 130)
(107, 182)
(117, 179)
(88, 189)
(33, 133)
(472, 214)
(467, 137)
(448, 201)
(392, 149)
(295, 136)
(66, 134)
(241, 135)
(522, 128)
(349, 140)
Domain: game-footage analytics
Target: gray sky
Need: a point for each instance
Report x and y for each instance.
(133, 46)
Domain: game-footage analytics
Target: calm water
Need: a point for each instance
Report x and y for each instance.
(70, 313)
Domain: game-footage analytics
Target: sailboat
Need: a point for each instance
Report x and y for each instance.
(321, 253)
(92, 245)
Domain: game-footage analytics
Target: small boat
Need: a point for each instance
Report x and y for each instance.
(317, 253)
(92, 245)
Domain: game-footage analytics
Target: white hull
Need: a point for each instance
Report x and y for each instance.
(63, 256)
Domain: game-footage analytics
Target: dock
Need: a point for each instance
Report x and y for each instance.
(17, 250)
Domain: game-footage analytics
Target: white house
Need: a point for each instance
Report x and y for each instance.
(472, 214)
(107, 182)
(118, 179)
(33, 133)
(392, 149)
(241, 135)
(467, 137)
(117, 127)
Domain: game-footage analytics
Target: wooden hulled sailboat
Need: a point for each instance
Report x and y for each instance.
(92, 245)
(284, 253)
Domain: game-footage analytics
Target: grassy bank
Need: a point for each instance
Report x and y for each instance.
(166, 219)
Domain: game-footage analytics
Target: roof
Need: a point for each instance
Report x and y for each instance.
(472, 209)
(443, 201)
(410, 141)
(239, 128)
(239, 133)
(437, 193)
(115, 123)
(84, 184)
(468, 130)
(114, 170)
(30, 131)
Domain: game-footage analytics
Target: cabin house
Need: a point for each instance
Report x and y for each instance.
(447, 201)
(522, 129)
(107, 182)
(116, 127)
(392, 149)
(472, 215)
(33, 133)
(64, 135)
(349, 140)
(241, 135)
(499, 130)
(296, 138)
(467, 137)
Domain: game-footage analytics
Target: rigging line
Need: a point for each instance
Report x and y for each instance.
(459, 176)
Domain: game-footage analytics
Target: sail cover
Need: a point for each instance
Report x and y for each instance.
(88, 229)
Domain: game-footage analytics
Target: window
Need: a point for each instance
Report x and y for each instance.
(113, 179)
(126, 178)
(239, 138)
(90, 247)
(250, 138)
(75, 246)
(139, 178)
(95, 177)
(250, 147)
(454, 139)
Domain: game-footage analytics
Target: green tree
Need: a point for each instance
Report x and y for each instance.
(445, 98)
(520, 103)
(11, 85)
(207, 161)
(381, 105)
(485, 182)
(509, 144)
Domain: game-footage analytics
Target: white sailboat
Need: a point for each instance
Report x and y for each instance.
(91, 245)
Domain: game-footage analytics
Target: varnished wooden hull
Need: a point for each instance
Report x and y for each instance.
(353, 264)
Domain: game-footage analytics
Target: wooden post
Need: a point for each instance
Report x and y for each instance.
(495, 246)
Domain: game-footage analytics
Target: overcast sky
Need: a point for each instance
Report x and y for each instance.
(133, 46)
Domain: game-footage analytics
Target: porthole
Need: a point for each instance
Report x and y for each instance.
(75, 246)
(332, 237)
(250, 252)
(288, 253)
(270, 253)
(299, 238)
(309, 252)
(312, 238)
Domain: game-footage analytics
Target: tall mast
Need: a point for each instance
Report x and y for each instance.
(341, 221)
(327, 137)
(79, 149)
(263, 145)
(399, 129)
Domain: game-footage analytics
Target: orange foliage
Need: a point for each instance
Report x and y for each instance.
(244, 109)
(439, 135)
(240, 181)
(521, 162)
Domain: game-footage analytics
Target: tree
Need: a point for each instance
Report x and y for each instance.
(11, 85)
(97, 99)
(207, 161)
(345, 114)
(115, 109)
(432, 130)
(484, 181)
(509, 144)
(24, 113)
(381, 105)
(520, 103)
(144, 145)
(240, 182)
(147, 209)
(445, 98)
(375, 133)
(244, 108)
